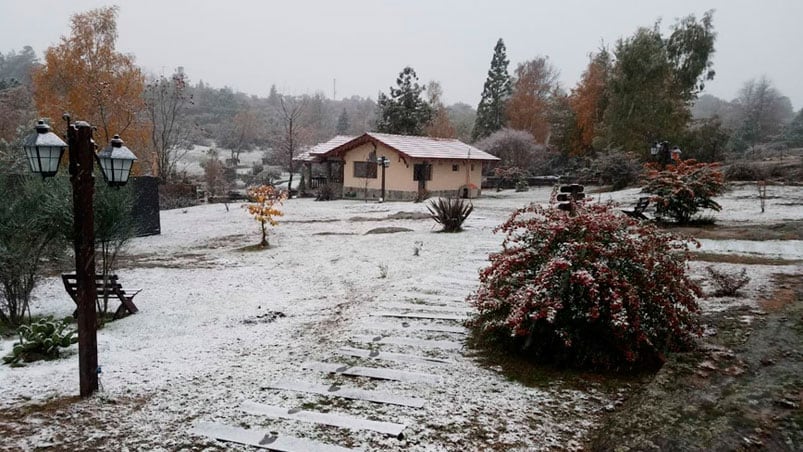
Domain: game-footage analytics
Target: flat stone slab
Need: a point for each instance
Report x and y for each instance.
(378, 373)
(407, 326)
(426, 343)
(420, 315)
(388, 356)
(465, 310)
(335, 419)
(448, 299)
(263, 439)
(349, 393)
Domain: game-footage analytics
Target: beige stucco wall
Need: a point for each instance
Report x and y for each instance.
(399, 174)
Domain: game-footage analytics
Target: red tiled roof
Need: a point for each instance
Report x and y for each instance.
(408, 145)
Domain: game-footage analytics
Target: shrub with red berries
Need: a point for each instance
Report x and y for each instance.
(597, 290)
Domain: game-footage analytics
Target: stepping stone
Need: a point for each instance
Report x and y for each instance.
(420, 315)
(448, 345)
(407, 326)
(373, 372)
(349, 393)
(388, 356)
(263, 439)
(468, 284)
(429, 307)
(335, 419)
(407, 295)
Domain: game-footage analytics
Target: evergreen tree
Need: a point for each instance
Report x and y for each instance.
(794, 131)
(405, 112)
(343, 123)
(654, 82)
(495, 94)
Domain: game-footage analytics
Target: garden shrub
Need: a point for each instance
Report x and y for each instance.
(597, 290)
(743, 171)
(727, 284)
(450, 212)
(41, 340)
(681, 189)
(618, 169)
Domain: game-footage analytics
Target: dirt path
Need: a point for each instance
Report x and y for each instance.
(742, 389)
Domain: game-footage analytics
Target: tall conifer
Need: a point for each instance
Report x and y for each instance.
(495, 94)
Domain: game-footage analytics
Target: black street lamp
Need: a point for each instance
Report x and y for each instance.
(44, 150)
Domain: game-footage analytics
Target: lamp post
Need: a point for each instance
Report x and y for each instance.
(384, 162)
(44, 150)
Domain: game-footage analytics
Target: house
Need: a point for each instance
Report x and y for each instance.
(416, 166)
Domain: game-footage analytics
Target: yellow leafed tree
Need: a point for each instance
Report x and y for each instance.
(85, 76)
(264, 207)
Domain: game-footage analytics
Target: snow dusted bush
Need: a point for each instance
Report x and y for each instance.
(450, 213)
(727, 284)
(683, 188)
(597, 290)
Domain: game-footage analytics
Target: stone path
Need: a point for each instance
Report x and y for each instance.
(396, 321)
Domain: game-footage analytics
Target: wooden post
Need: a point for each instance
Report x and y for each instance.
(82, 160)
(384, 162)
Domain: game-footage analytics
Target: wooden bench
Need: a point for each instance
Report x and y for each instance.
(638, 210)
(107, 288)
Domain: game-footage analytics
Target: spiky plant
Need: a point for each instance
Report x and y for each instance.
(450, 212)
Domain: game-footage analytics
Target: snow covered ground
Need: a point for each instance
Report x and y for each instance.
(206, 341)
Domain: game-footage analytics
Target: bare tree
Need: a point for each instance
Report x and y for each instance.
(290, 141)
(762, 111)
(166, 103)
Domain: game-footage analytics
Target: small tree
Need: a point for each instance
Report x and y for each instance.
(683, 188)
(593, 290)
(29, 229)
(264, 207)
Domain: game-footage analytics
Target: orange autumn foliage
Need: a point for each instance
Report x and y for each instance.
(529, 107)
(86, 77)
(264, 207)
(587, 101)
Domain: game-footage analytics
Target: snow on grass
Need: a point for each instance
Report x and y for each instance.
(202, 345)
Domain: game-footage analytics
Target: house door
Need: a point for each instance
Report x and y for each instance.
(422, 172)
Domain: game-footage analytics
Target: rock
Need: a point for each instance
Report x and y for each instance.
(708, 365)
(609, 407)
(734, 371)
(787, 403)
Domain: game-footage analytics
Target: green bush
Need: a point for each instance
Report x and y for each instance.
(41, 340)
(618, 169)
(450, 212)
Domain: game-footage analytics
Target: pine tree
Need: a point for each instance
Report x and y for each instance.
(343, 123)
(405, 112)
(497, 90)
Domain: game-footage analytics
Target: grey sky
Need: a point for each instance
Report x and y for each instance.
(301, 46)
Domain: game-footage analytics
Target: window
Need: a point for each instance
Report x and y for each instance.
(422, 171)
(455, 167)
(365, 170)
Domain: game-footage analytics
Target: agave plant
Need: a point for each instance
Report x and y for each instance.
(450, 212)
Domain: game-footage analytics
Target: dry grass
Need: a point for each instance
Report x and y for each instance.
(740, 259)
(787, 292)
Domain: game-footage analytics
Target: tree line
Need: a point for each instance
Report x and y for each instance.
(646, 87)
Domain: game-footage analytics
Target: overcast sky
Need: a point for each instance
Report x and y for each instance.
(302, 46)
